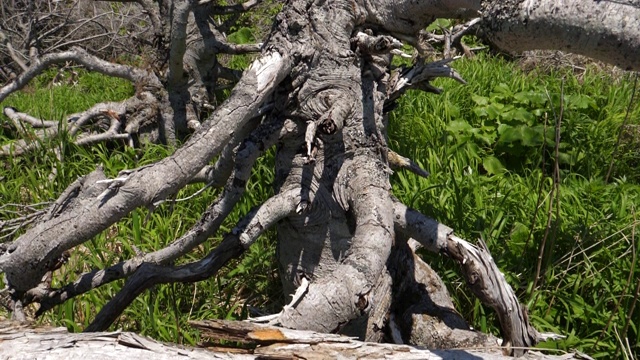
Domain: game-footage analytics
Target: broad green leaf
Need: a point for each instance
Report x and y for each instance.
(439, 23)
(523, 115)
(486, 138)
(480, 111)
(531, 97)
(494, 110)
(579, 101)
(492, 165)
(503, 89)
(503, 127)
(510, 134)
(530, 137)
(459, 126)
(480, 100)
(519, 233)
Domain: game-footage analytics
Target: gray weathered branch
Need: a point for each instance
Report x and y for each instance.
(604, 30)
(210, 221)
(235, 243)
(480, 271)
(82, 57)
(35, 249)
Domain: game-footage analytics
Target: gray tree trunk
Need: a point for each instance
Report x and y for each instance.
(319, 91)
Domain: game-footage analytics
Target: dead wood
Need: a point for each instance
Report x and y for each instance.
(319, 92)
(256, 342)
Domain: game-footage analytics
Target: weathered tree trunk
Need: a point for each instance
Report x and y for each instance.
(320, 90)
(265, 342)
(603, 30)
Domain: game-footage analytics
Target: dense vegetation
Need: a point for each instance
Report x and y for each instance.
(561, 229)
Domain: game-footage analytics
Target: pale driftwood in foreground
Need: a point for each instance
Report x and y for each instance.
(22, 342)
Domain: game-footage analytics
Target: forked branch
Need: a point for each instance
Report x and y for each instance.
(134, 111)
(263, 138)
(81, 57)
(233, 245)
(144, 186)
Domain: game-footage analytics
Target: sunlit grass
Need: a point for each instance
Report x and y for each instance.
(591, 246)
(163, 311)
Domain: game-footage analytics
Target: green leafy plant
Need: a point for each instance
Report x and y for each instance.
(491, 159)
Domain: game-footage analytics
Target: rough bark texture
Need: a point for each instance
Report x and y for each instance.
(605, 30)
(20, 342)
(34, 250)
(320, 90)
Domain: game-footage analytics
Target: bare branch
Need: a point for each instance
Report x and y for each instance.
(32, 142)
(480, 271)
(262, 139)
(80, 56)
(111, 134)
(5, 41)
(19, 118)
(181, 11)
(397, 161)
(154, 15)
(213, 9)
(144, 187)
(233, 245)
(63, 42)
(24, 216)
(418, 77)
(113, 111)
(453, 38)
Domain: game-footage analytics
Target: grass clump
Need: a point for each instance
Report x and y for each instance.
(565, 238)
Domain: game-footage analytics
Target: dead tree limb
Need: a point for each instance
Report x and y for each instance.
(267, 342)
(121, 197)
(234, 244)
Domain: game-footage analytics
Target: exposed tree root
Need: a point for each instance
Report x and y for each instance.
(481, 273)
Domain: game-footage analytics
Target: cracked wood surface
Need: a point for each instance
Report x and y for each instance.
(18, 342)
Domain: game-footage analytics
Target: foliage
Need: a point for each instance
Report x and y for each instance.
(491, 149)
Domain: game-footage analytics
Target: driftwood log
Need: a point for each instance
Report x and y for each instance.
(253, 341)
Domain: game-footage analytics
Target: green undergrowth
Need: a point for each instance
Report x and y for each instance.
(247, 286)
(490, 147)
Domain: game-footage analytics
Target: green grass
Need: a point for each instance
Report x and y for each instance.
(163, 311)
(487, 183)
(490, 148)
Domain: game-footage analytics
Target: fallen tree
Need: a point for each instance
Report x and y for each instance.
(253, 342)
(319, 92)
